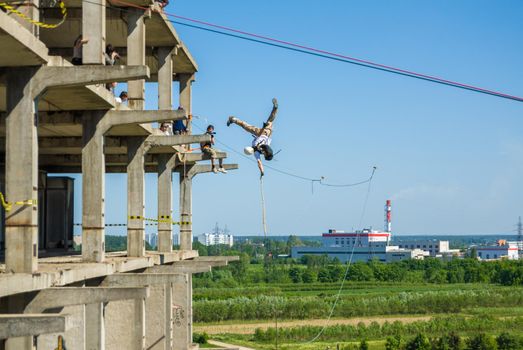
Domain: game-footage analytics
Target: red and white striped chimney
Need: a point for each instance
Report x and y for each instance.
(388, 227)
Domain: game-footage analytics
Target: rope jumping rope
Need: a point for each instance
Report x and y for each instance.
(12, 9)
(349, 263)
(264, 214)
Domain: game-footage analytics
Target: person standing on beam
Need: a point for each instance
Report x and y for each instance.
(262, 136)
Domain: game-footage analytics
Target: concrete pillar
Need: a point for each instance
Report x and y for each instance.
(93, 29)
(189, 308)
(135, 197)
(21, 224)
(94, 327)
(136, 55)
(16, 305)
(165, 199)
(93, 189)
(185, 208)
(180, 316)
(186, 95)
(165, 77)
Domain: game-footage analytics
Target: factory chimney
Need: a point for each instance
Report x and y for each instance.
(388, 216)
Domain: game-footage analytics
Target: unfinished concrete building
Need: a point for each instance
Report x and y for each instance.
(59, 118)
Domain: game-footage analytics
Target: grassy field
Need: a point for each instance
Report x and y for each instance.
(501, 308)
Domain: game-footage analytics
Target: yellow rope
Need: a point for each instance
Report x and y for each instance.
(162, 219)
(8, 206)
(12, 9)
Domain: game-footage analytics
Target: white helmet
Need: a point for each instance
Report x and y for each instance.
(248, 150)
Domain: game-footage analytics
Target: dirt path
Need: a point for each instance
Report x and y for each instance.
(249, 328)
(228, 346)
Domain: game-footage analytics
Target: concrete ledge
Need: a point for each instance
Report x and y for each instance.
(198, 157)
(12, 326)
(68, 296)
(19, 46)
(216, 258)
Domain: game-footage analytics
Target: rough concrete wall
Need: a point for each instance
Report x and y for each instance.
(119, 325)
(74, 338)
(155, 336)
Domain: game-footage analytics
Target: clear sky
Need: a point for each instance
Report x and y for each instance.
(451, 160)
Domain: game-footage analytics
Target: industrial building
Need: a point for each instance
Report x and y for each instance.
(59, 118)
(362, 245)
(436, 248)
(501, 250)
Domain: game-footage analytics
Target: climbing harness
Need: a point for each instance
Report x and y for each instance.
(12, 9)
(9, 205)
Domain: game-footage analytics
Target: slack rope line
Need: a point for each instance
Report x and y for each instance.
(349, 263)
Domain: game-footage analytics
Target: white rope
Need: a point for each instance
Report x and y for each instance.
(349, 263)
(264, 215)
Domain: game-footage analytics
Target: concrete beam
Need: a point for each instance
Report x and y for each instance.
(216, 258)
(191, 269)
(48, 76)
(13, 326)
(201, 169)
(196, 263)
(198, 157)
(114, 117)
(67, 296)
(141, 279)
(165, 140)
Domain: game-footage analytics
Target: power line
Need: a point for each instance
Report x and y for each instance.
(265, 40)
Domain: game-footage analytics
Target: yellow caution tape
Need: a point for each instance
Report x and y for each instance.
(8, 205)
(163, 219)
(12, 9)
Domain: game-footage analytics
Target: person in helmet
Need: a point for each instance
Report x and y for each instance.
(262, 136)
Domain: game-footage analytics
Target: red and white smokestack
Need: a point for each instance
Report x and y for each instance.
(388, 227)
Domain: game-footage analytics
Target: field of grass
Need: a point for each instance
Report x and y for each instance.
(493, 308)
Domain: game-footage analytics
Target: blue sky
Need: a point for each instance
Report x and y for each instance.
(451, 160)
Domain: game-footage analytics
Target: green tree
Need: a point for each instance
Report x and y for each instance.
(419, 342)
(295, 274)
(393, 343)
(364, 345)
(506, 341)
(481, 342)
(307, 276)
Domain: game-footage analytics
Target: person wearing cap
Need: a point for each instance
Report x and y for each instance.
(206, 148)
(262, 136)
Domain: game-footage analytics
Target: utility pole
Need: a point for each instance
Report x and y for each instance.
(520, 230)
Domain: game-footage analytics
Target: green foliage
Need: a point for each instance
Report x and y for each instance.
(364, 345)
(506, 341)
(419, 342)
(394, 331)
(393, 342)
(200, 338)
(481, 341)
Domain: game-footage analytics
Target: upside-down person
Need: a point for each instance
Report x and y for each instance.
(262, 136)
